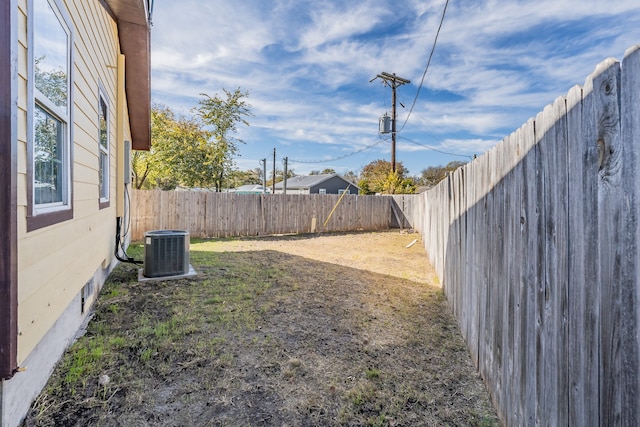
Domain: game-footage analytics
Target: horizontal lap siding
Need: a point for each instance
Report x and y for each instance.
(54, 262)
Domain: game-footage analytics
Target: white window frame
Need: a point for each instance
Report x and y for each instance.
(344, 191)
(104, 169)
(322, 191)
(63, 114)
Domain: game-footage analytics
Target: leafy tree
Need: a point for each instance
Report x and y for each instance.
(141, 167)
(222, 115)
(280, 176)
(351, 176)
(193, 151)
(326, 171)
(434, 174)
(236, 178)
(396, 184)
(184, 149)
(377, 177)
(180, 153)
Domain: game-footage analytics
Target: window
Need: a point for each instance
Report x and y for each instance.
(322, 191)
(344, 191)
(103, 148)
(50, 150)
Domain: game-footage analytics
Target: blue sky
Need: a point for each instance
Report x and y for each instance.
(307, 66)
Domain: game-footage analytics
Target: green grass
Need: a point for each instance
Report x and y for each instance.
(259, 332)
(372, 373)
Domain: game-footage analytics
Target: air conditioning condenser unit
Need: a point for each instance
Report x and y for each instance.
(166, 253)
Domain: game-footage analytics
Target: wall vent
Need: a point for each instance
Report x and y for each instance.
(166, 253)
(86, 295)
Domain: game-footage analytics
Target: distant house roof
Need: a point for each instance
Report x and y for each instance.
(251, 189)
(133, 18)
(309, 181)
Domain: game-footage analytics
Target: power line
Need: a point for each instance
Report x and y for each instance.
(435, 149)
(433, 48)
(437, 138)
(353, 153)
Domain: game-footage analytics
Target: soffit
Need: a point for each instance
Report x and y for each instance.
(132, 17)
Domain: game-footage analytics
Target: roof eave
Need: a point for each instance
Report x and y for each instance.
(134, 30)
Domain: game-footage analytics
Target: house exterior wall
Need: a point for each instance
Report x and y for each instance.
(294, 190)
(54, 262)
(333, 185)
(62, 266)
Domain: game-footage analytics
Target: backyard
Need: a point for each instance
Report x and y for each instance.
(311, 330)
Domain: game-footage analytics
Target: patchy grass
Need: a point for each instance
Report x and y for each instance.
(302, 331)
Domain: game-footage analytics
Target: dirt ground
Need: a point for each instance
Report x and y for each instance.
(316, 330)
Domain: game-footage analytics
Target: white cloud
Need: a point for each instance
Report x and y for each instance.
(307, 65)
(337, 21)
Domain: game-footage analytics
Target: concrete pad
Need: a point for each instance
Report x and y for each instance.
(141, 277)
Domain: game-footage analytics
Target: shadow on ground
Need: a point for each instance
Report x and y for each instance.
(264, 337)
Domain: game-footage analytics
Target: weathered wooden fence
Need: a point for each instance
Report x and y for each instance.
(536, 243)
(208, 214)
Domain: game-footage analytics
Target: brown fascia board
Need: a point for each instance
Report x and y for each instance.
(8, 189)
(132, 17)
(135, 45)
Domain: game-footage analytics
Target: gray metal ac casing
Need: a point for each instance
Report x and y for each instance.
(166, 253)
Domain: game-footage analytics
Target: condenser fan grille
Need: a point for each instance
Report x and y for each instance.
(166, 253)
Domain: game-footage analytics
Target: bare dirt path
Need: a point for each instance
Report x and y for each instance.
(322, 330)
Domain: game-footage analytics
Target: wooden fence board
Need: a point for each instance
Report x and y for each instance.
(470, 266)
(528, 228)
(610, 224)
(208, 214)
(487, 331)
(516, 253)
(554, 163)
(498, 286)
(539, 237)
(509, 350)
(630, 281)
(583, 350)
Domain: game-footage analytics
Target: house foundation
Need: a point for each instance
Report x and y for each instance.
(18, 393)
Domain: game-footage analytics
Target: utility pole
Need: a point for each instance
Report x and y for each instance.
(273, 182)
(264, 175)
(284, 183)
(393, 81)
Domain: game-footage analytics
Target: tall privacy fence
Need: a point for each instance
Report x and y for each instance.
(208, 214)
(536, 243)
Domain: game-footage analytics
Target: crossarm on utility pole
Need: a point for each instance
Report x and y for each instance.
(393, 81)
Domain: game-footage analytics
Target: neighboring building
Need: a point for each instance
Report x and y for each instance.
(251, 189)
(318, 184)
(74, 93)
